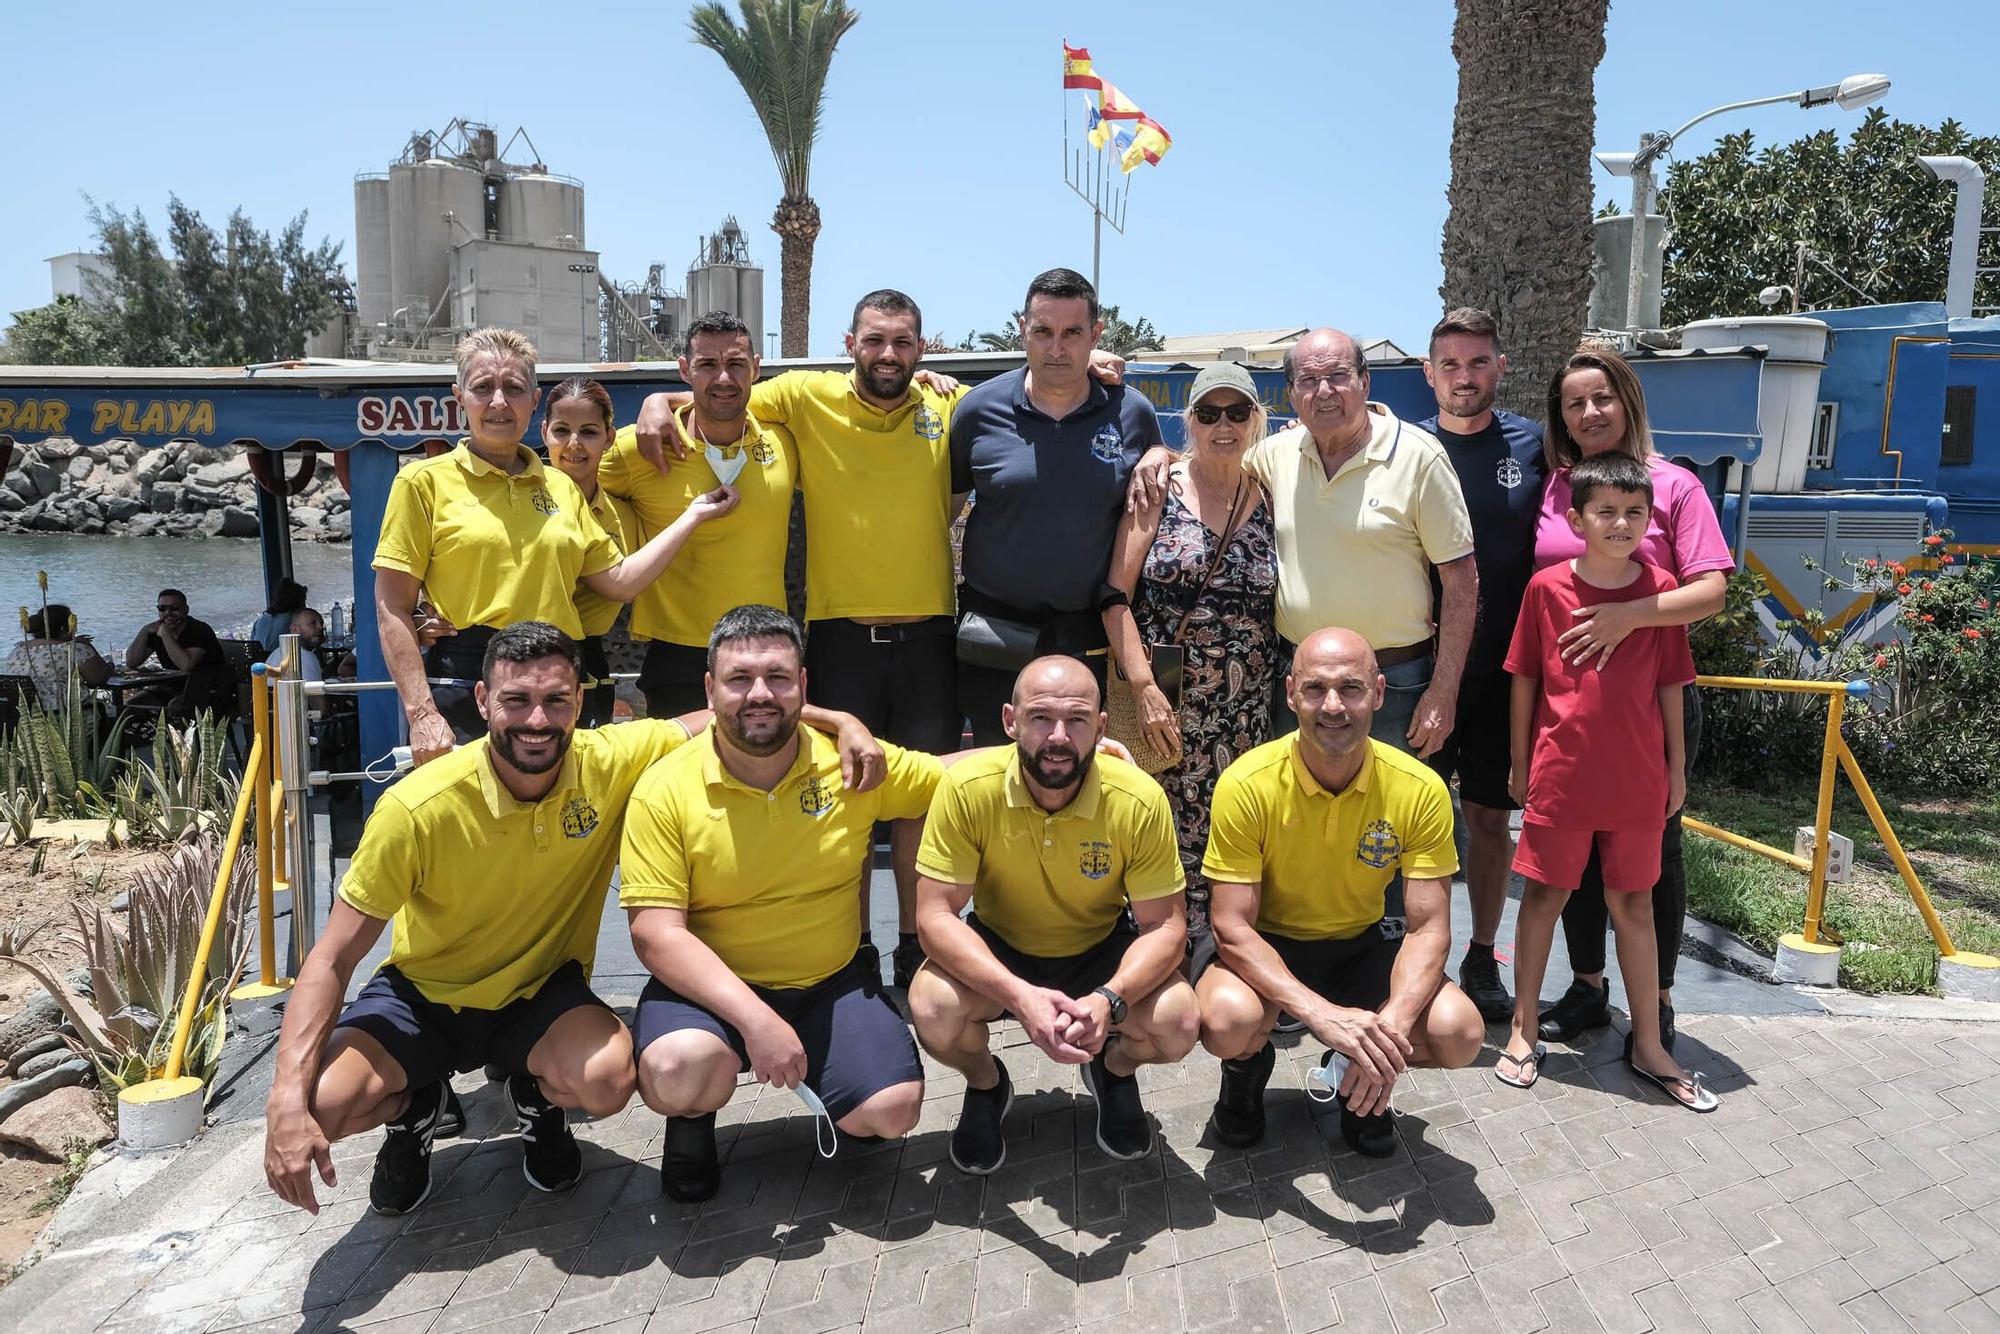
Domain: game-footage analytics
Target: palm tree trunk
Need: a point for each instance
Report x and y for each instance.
(797, 224)
(1517, 240)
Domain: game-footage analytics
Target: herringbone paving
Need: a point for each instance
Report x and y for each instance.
(1850, 1181)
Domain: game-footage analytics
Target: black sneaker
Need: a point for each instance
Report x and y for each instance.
(977, 1145)
(451, 1121)
(868, 961)
(903, 964)
(1122, 1128)
(1370, 1136)
(1581, 1007)
(1238, 1118)
(550, 1158)
(403, 1165)
(1479, 979)
(1667, 1034)
(690, 1170)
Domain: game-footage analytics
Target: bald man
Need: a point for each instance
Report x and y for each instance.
(1069, 861)
(1305, 835)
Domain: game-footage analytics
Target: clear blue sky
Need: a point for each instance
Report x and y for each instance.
(1306, 184)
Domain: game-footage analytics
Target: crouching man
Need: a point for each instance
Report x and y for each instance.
(1305, 835)
(741, 876)
(1051, 842)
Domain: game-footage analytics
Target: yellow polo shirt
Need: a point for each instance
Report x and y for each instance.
(617, 520)
(1322, 859)
(491, 548)
(1048, 883)
(771, 881)
(487, 896)
(738, 558)
(877, 491)
(1355, 549)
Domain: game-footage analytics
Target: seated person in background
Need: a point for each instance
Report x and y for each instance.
(310, 627)
(179, 642)
(275, 619)
(52, 650)
(1051, 842)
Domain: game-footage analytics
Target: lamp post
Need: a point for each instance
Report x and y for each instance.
(1856, 90)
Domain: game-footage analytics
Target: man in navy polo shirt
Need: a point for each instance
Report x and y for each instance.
(1046, 452)
(1498, 459)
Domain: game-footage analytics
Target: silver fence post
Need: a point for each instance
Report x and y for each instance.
(294, 744)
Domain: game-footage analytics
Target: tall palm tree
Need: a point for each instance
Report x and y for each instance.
(780, 54)
(1517, 239)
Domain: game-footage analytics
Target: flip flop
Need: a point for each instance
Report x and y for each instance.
(1700, 1097)
(1521, 1063)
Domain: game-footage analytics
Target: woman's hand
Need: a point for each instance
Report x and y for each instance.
(714, 504)
(1600, 630)
(1156, 716)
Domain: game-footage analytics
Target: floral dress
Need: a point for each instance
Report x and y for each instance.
(1231, 647)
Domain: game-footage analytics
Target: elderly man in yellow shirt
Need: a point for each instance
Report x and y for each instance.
(1051, 843)
(741, 873)
(1305, 835)
(492, 862)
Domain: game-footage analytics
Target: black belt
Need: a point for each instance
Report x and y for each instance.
(469, 642)
(1402, 653)
(900, 632)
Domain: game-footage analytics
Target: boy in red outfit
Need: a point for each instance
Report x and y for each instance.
(1596, 760)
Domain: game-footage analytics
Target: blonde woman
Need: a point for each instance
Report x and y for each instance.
(495, 537)
(1172, 564)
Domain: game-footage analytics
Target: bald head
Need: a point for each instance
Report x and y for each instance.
(1055, 719)
(1336, 645)
(1327, 341)
(1329, 383)
(1335, 688)
(1056, 677)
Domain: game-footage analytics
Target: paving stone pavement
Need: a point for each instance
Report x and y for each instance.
(1851, 1180)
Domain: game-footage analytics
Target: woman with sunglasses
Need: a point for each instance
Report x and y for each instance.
(1202, 569)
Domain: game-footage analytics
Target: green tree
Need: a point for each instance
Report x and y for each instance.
(204, 299)
(780, 54)
(1866, 213)
(1119, 336)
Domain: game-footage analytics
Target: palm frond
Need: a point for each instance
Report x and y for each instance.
(780, 54)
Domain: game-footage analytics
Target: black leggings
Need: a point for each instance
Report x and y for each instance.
(1585, 917)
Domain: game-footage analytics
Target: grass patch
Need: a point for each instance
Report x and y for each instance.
(76, 1157)
(1953, 845)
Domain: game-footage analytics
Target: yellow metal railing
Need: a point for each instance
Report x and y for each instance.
(1834, 757)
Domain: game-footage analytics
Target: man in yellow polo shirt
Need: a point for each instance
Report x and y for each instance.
(1305, 834)
(492, 862)
(722, 566)
(741, 871)
(1051, 843)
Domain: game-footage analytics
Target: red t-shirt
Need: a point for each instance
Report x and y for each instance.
(1600, 747)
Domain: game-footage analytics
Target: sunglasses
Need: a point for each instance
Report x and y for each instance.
(1208, 414)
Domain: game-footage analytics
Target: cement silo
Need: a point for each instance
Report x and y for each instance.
(433, 206)
(723, 278)
(540, 209)
(371, 251)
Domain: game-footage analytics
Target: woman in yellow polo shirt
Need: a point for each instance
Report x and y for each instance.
(577, 426)
(494, 537)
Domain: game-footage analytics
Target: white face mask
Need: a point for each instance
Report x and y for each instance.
(1323, 1081)
(828, 1142)
(727, 461)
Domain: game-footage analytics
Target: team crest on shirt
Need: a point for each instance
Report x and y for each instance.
(1378, 845)
(543, 502)
(579, 818)
(1093, 859)
(1106, 444)
(1508, 472)
(815, 796)
(929, 425)
(763, 453)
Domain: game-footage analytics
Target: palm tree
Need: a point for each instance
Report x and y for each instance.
(780, 55)
(1517, 239)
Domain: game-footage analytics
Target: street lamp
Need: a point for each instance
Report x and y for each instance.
(1856, 90)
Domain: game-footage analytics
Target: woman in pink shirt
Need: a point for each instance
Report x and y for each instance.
(1596, 405)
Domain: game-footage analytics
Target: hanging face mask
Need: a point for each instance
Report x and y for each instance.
(727, 461)
(1323, 1081)
(827, 1140)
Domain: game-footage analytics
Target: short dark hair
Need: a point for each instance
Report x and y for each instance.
(1061, 285)
(754, 620)
(1467, 320)
(52, 618)
(170, 593)
(530, 641)
(1612, 470)
(715, 322)
(890, 302)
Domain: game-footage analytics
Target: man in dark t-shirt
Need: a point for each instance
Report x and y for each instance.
(178, 642)
(1046, 452)
(1498, 459)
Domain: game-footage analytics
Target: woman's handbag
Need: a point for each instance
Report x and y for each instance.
(1123, 720)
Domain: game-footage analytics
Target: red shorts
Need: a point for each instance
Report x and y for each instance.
(1556, 856)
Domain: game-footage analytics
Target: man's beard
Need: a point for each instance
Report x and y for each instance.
(504, 746)
(1460, 408)
(895, 385)
(767, 735)
(1038, 767)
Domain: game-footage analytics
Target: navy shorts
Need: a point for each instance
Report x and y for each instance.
(1353, 972)
(856, 1043)
(433, 1042)
(1076, 975)
(1479, 748)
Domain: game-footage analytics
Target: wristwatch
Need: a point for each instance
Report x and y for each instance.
(1117, 1003)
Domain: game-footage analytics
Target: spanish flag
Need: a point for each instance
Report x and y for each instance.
(1149, 144)
(1076, 68)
